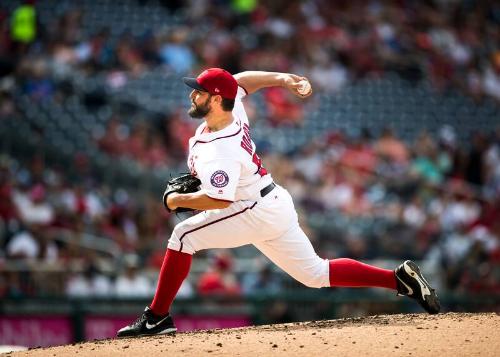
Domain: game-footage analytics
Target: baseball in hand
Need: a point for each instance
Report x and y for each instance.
(304, 87)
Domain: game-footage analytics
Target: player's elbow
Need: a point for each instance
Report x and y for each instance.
(246, 82)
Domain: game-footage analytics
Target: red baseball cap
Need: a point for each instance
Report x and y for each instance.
(216, 81)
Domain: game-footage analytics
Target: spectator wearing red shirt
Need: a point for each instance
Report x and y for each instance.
(219, 280)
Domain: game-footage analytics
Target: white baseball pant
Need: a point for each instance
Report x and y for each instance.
(271, 225)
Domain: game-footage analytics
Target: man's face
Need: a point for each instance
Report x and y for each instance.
(200, 104)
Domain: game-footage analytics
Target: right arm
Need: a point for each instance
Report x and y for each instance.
(252, 81)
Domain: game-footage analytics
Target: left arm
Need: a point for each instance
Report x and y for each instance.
(197, 201)
(252, 81)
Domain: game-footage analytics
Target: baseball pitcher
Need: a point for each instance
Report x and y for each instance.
(241, 204)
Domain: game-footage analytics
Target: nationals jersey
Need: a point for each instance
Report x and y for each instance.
(225, 161)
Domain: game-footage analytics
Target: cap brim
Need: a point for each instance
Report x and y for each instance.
(193, 83)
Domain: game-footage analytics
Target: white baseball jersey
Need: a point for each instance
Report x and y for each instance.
(226, 163)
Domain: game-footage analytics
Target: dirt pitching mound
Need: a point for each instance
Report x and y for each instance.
(451, 334)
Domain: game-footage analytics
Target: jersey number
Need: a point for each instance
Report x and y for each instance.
(258, 161)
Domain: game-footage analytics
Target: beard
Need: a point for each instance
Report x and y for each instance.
(199, 111)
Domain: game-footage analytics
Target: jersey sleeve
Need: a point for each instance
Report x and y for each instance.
(241, 93)
(220, 179)
(239, 109)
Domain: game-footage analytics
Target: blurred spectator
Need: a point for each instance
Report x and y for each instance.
(264, 282)
(91, 283)
(219, 279)
(328, 75)
(114, 140)
(23, 245)
(69, 27)
(492, 164)
(459, 211)
(175, 53)
(8, 210)
(282, 109)
(132, 283)
(33, 207)
(360, 157)
(7, 106)
(308, 162)
(156, 154)
(38, 85)
(97, 50)
(391, 147)
(414, 213)
(136, 143)
(428, 163)
(179, 128)
(129, 56)
(23, 29)
(491, 77)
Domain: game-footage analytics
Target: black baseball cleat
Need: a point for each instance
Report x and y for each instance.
(412, 283)
(148, 324)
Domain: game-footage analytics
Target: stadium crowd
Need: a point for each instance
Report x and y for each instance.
(454, 44)
(435, 201)
(432, 199)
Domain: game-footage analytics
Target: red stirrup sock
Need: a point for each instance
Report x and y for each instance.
(174, 270)
(351, 273)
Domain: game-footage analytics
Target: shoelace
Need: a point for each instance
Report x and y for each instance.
(141, 319)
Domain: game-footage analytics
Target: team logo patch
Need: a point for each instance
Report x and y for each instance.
(219, 179)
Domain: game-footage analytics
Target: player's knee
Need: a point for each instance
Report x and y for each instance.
(177, 232)
(312, 283)
(316, 276)
(173, 239)
(178, 240)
